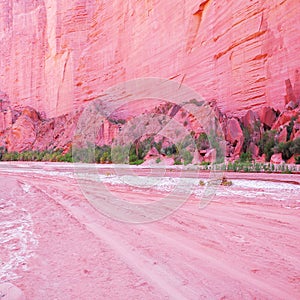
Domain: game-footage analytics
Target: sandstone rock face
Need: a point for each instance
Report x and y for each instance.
(254, 150)
(22, 135)
(197, 158)
(291, 105)
(5, 120)
(152, 153)
(6, 115)
(45, 133)
(261, 159)
(234, 135)
(31, 113)
(297, 87)
(282, 136)
(284, 118)
(250, 120)
(276, 158)
(297, 135)
(56, 55)
(267, 116)
(28, 131)
(210, 155)
(291, 160)
(107, 133)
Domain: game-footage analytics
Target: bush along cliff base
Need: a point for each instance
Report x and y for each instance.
(256, 142)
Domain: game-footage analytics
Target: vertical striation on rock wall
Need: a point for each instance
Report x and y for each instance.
(56, 55)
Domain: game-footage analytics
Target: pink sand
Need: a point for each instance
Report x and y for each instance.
(238, 247)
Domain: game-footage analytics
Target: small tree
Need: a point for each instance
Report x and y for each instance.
(267, 143)
(295, 147)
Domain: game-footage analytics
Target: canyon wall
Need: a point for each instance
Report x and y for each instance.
(57, 55)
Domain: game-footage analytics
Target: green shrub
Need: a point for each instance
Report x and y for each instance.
(136, 162)
(295, 146)
(286, 170)
(288, 149)
(10, 156)
(285, 149)
(132, 157)
(177, 160)
(187, 157)
(289, 128)
(230, 166)
(245, 157)
(247, 138)
(105, 157)
(267, 143)
(169, 151)
(119, 154)
(202, 142)
(144, 147)
(158, 146)
(216, 143)
(257, 167)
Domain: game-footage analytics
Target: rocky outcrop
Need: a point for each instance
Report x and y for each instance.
(22, 135)
(173, 128)
(250, 120)
(282, 136)
(235, 136)
(153, 153)
(254, 150)
(107, 132)
(267, 116)
(197, 158)
(57, 55)
(291, 160)
(29, 131)
(5, 119)
(277, 159)
(284, 118)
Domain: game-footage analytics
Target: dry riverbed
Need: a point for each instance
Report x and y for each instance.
(54, 244)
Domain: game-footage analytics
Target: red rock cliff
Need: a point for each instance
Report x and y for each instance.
(55, 55)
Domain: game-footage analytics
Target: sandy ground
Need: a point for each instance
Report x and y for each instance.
(55, 245)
